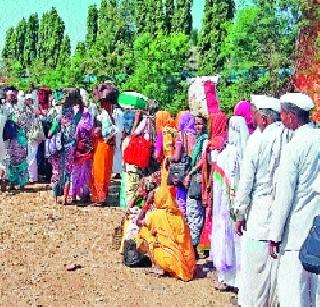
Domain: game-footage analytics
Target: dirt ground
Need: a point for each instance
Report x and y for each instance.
(37, 240)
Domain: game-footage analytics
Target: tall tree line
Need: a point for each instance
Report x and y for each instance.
(37, 40)
(145, 45)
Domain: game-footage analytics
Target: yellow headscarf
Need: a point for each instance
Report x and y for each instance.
(162, 118)
(164, 200)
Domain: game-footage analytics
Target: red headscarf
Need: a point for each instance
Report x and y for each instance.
(218, 137)
(218, 133)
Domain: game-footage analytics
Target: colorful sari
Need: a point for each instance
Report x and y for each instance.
(195, 212)
(217, 141)
(18, 166)
(17, 148)
(168, 237)
(102, 158)
(62, 161)
(225, 247)
(83, 158)
(101, 170)
(183, 146)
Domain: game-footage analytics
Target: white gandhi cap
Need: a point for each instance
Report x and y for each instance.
(300, 100)
(270, 103)
(256, 100)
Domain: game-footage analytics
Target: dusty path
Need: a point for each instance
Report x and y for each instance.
(37, 239)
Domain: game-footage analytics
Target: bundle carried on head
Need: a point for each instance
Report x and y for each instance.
(106, 91)
(152, 106)
(72, 96)
(203, 98)
(133, 100)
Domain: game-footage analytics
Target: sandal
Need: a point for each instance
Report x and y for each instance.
(95, 205)
(72, 267)
(221, 287)
(68, 200)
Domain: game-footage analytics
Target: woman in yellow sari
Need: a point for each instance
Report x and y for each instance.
(166, 236)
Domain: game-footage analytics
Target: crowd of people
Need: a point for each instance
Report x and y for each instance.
(241, 191)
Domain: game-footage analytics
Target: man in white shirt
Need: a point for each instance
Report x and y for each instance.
(296, 202)
(254, 200)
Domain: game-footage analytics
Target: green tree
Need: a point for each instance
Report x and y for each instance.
(9, 50)
(65, 50)
(51, 34)
(124, 36)
(159, 20)
(92, 25)
(149, 16)
(195, 37)
(20, 42)
(259, 46)
(140, 12)
(31, 39)
(183, 17)
(169, 17)
(107, 21)
(80, 49)
(217, 16)
(17, 70)
(158, 65)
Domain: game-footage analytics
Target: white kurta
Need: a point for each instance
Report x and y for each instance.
(117, 156)
(296, 204)
(249, 165)
(255, 197)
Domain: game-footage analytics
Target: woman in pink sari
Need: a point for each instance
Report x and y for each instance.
(79, 188)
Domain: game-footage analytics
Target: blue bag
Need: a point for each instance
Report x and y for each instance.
(128, 121)
(309, 254)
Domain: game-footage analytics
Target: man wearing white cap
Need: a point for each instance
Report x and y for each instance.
(254, 199)
(296, 202)
(255, 136)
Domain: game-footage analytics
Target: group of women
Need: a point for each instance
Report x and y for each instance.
(70, 142)
(174, 217)
(178, 220)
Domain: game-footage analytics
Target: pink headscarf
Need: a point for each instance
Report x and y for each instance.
(243, 109)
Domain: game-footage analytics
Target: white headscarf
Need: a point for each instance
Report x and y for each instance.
(238, 134)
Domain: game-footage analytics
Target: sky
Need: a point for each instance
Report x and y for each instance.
(73, 12)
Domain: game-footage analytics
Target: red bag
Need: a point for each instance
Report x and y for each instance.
(138, 152)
